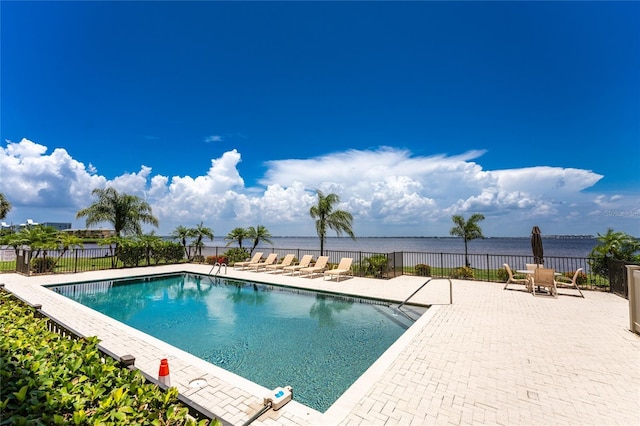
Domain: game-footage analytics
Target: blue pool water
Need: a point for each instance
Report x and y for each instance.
(317, 343)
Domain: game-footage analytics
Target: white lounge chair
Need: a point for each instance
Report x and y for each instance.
(255, 259)
(270, 260)
(304, 263)
(286, 261)
(512, 280)
(319, 267)
(572, 284)
(343, 269)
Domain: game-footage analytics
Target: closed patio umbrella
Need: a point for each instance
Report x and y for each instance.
(536, 245)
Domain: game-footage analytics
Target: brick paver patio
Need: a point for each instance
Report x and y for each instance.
(494, 356)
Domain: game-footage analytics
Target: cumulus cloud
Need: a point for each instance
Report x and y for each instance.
(389, 192)
(32, 178)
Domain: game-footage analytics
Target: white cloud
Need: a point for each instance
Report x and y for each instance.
(388, 191)
(31, 178)
(545, 180)
(133, 183)
(213, 138)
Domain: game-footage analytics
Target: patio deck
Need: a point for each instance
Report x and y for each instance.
(492, 357)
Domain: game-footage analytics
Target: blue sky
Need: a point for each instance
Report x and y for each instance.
(233, 113)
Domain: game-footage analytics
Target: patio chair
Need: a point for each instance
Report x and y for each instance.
(532, 266)
(319, 267)
(270, 260)
(304, 263)
(544, 277)
(286, 261)
(512, 280)
(255, 259)
(572, 284)
(343, 269)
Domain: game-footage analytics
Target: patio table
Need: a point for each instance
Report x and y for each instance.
(529, 273)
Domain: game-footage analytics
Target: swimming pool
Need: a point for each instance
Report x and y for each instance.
(274, 336)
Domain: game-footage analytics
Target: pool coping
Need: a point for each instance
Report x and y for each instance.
(186, 367)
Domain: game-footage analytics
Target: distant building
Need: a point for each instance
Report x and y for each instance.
(91, 233)
(60, 226)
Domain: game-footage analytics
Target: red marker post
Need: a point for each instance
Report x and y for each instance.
(163, 374)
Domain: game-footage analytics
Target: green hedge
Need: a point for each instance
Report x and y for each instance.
(49, 379)
(423, 270)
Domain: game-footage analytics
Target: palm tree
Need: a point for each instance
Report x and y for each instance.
(328, 218)
(16, 240)
(5, 206)
(41, 239)
(67, 241)
(125, 212)
(199, 232)
(182, 233)
(258, 234)
(617, 245)
(113, 242)
(237, 235)
(468, 230)
(149, 242)
(613, 245)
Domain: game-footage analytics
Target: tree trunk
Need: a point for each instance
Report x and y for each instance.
(466, 256)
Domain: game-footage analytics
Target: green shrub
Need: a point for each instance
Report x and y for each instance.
(581, 279)
(130, 253)
(423, 270)
(376, 265)
(168, 252)
(236, 254)
(42, 264)
(49, 379)
(212, 260)
(502, 275)
(464, 272)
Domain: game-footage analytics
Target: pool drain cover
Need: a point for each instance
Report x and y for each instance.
(197, 383)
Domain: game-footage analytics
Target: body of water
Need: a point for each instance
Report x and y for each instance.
(553, 246)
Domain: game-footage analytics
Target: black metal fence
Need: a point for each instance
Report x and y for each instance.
(618, 277)
(484, 267)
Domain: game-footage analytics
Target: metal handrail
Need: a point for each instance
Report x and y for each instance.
(427, 282)
(219, 265)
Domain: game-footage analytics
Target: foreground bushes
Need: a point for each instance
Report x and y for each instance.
(48, 379)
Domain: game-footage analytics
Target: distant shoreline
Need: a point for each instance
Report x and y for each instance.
(568, 237)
